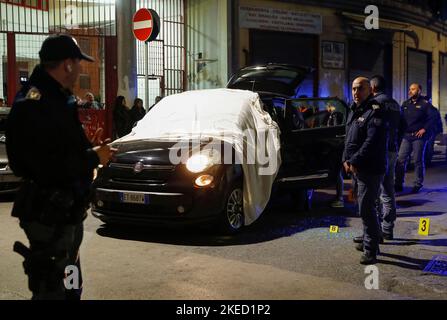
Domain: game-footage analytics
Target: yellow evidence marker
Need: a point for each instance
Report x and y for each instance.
(333, 229)
(424, 226)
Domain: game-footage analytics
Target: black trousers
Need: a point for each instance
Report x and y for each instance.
(52, 249)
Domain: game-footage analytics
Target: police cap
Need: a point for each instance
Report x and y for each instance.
(61, 47)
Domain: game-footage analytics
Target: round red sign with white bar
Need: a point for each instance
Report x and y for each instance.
(143, 24)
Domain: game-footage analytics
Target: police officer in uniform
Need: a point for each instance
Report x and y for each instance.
(364, 156)
(419, 120)
(387, 199)
(47, 147)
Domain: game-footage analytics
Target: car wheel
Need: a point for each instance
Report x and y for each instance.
(232, 218)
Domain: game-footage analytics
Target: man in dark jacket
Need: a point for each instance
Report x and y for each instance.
(436, 129)
(365, 156)
(419, 119)
(48, 148)
(387, 205)
(137, 112)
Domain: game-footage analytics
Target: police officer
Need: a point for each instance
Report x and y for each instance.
(387, 203)
(419, 119)
(435, 130)
(365, 157)
(48, 148)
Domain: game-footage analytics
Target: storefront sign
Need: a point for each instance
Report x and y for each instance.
(280, 20)
(333, 55)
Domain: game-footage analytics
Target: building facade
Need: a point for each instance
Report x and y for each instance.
(338, 40)
(202, 42)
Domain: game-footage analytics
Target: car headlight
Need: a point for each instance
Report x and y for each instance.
(202, 161)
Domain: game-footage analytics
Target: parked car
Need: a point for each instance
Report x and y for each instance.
(142, 185)
(312, 129)
(8, 181)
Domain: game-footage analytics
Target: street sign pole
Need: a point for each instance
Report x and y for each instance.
(146, 26)
(146, 77)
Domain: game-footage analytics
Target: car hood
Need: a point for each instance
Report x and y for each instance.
(156, 151)
(146, 151)
(279, 79)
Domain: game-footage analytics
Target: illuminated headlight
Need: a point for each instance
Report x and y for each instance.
(202, 161)
(204, 180)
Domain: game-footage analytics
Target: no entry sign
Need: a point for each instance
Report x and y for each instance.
(146, 24)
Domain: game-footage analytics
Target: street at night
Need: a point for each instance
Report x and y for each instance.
(286, 255)
(224, 155)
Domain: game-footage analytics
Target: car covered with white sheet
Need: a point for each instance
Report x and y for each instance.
(214, 156)
(199, 156)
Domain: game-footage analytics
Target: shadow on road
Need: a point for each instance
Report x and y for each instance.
(411, 203)
(412, 242)
(277, 222)
(408, 214)
(404, 262)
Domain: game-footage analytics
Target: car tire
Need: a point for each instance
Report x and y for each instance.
(231, 219)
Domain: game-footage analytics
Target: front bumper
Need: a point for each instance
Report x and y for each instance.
(162, 208)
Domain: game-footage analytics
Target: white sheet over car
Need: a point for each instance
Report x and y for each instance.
(225, 114)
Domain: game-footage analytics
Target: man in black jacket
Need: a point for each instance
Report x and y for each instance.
(365, 157)
(419, 119)
(47, 147)
(387, 206)
(435, 130)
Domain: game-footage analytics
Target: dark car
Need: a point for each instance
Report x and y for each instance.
(142, 185)
(312, 129)
(8, 181)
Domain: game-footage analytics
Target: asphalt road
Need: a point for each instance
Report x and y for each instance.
(285, 255)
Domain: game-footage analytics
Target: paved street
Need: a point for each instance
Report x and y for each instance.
(284, 255)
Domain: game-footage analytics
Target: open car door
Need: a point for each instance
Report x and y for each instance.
(313, 134)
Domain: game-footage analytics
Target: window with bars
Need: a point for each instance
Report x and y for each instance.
(77, 17)
(35, 4)
(166, 55)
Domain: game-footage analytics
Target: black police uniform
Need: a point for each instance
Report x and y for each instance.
(435, 130)
(47, 146)
(366, 149)
(387, 204)
(417, 115)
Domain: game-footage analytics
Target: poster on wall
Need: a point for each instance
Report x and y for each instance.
(280, 20)
(333, 55)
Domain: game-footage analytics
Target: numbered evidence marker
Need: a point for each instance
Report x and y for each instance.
(424, 226)
(333, 229)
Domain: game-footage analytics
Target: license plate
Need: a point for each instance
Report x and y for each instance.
(134, 198)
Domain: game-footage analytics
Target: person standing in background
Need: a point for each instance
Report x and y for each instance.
(122, 123)
(137, 111)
